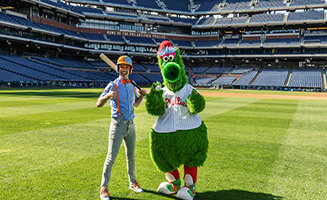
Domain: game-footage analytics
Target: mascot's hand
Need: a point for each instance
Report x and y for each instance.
(155, 103)
(195, 102)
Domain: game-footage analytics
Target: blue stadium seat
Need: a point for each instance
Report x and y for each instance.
(229, 42)
(246, 78)
(93, 36)
(270, 4)
(224, 80)
(214, 43)
(24, 21)
(218, 70)
(206, 21)
(223, 21)
(50, 2)
(70, 32)
(236, 5)
(182, 43)
(239, 20)
(306, 2)
(181, 5)
(148, 4)
(302, 16)
(138, 79)
(115, 38)
(50, 28)
(241, 70)
(315, 39)
(199, 81)
(71, 63)
(153, 77)
(121, 15)
(141, 40)
(306, 78)
(263, 18)
(86, 10)
(123, 2)
(199, 69)
(250, 43)
(49, 66)
(12, 64)
(243, 5)
(87, 76)
(207, 5)
(7, 76)
(152, 68)
(274, 42)
(6, 18)
(271, 77)
(164, 19)
(138, 68)
(183, 20)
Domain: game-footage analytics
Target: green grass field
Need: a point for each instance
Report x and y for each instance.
(53, 144)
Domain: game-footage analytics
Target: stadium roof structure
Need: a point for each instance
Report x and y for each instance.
(206, 7)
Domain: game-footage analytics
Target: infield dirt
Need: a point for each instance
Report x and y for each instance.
(287, 95)
(304, 96)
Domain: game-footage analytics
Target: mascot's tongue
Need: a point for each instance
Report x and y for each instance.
(171, 72)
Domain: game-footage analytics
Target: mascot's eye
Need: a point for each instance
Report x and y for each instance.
(165, 58)
(171, 57)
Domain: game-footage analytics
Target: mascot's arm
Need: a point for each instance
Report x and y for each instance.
(195, 102)
(155, 103)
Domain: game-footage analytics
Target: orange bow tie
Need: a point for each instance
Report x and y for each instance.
(125, 81)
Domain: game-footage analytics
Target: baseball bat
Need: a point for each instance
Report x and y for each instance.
(113, 66)
(138, 87)
(108, 61)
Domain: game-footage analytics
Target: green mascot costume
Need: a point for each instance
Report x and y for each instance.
(179, 136)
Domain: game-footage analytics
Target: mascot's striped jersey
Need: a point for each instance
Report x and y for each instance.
(176, 115)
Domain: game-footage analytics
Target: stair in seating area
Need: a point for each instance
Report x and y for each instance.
(288, 78)
(323, 77)
(256, 76)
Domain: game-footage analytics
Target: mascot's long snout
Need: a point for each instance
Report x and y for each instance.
(171, 72)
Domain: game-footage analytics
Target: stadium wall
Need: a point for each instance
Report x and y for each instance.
(124, 32)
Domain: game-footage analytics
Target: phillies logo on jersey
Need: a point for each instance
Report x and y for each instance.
(175, 101)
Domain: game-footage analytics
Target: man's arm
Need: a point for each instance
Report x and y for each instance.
(103, 100)
(140, 99)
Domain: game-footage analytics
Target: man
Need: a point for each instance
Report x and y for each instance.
(123, 98)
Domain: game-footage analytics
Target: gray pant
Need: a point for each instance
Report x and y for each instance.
(120, 130)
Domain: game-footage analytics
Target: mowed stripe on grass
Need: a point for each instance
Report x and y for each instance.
(60, 153)
(245, 146)
(300, 169)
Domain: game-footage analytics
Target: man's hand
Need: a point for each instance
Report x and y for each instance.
(143, 92)
(111, 94)
(140, 99)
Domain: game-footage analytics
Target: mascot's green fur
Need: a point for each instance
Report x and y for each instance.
(188, 144)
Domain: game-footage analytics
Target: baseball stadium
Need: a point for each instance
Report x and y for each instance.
(259, 64)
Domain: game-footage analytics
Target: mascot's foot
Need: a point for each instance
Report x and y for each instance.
(186, 193)
(167, 188)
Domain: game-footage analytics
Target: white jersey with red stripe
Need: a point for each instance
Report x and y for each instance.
(176, 115)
